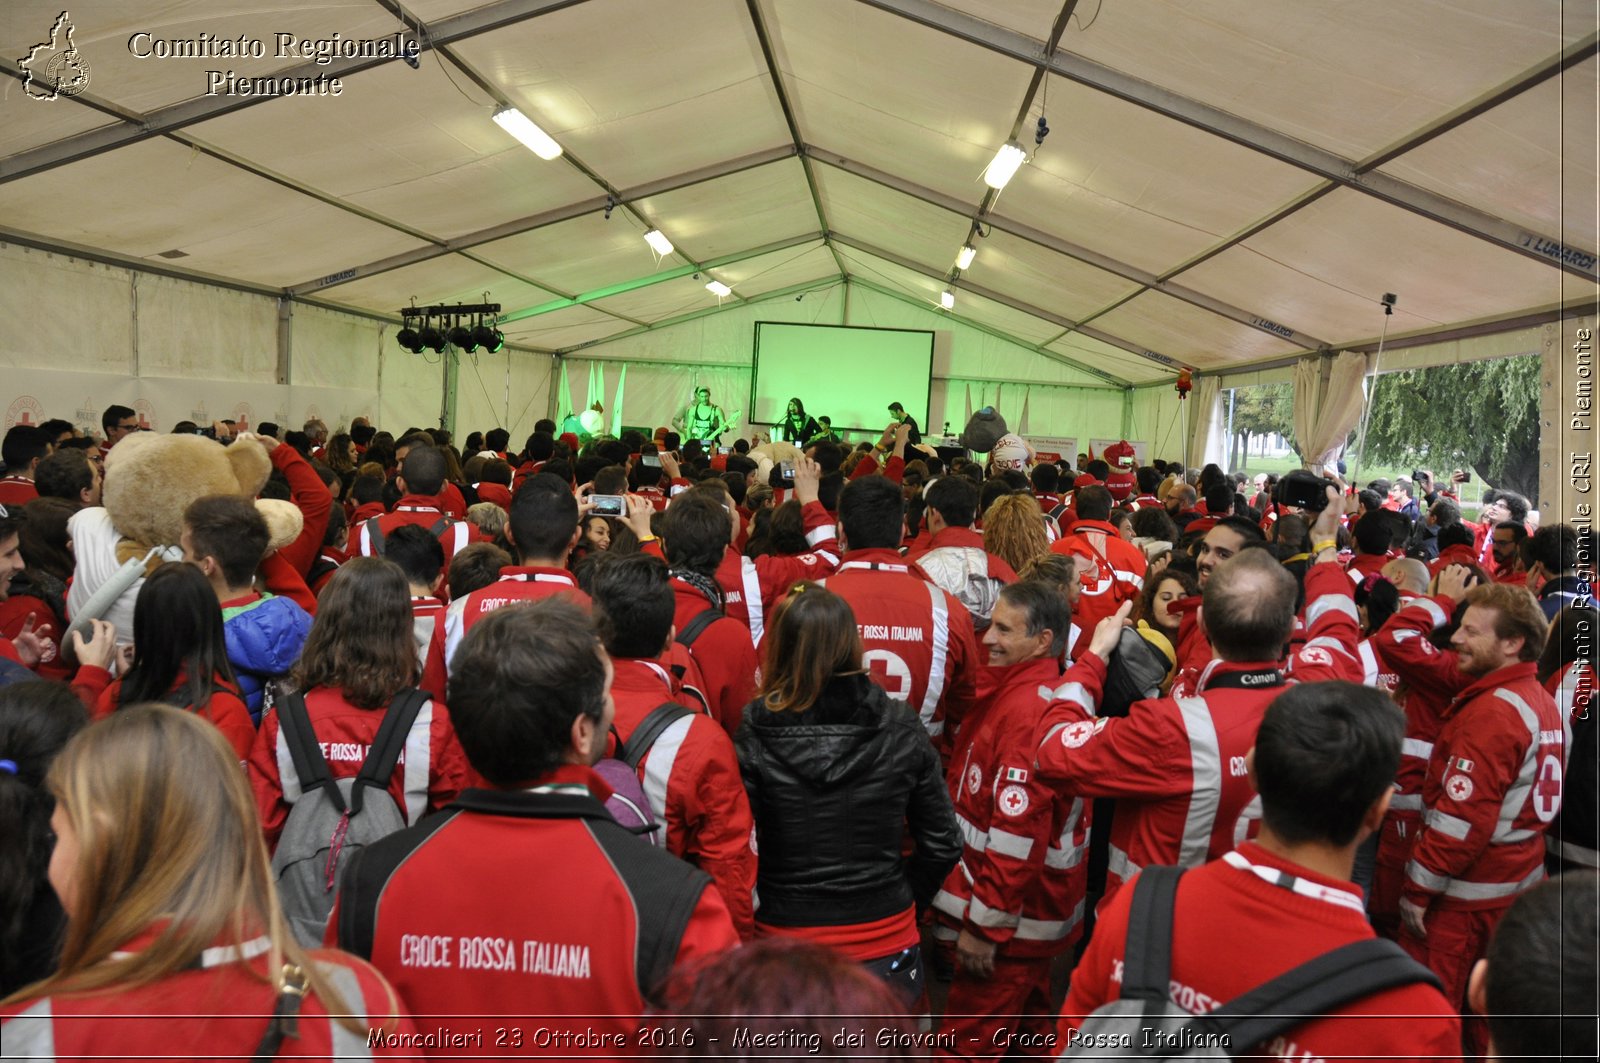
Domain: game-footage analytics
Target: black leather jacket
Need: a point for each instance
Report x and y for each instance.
(833, 790)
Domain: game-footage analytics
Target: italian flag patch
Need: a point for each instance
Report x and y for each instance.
(1016, 775)
(1463, 764)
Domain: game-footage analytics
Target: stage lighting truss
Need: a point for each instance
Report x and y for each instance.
(466, 327)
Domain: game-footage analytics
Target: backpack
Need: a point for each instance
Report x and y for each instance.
(332, 820)
(1146, 1015)
(375, 533)
(628, 804)
(1138, 670)
(697, 626)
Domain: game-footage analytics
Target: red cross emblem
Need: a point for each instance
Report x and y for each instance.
(1013, 800)
(1076, 734)
(1459, 787)
(1547, 789)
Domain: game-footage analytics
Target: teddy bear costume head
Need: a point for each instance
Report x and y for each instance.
(152, 478)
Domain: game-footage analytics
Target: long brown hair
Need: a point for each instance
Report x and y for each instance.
(811, 638)
(362, 640)
(340, 453)
(1013, 530)
(168, 838)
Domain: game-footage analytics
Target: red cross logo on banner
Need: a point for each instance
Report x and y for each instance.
(1547, 789)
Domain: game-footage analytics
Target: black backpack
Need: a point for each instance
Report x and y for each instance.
(375, 533)
(1145, 1014)
(697, 626)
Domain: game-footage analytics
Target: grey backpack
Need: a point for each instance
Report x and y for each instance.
(333, 821)
(1144, 1023)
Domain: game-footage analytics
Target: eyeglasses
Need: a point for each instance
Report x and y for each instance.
(128, 427)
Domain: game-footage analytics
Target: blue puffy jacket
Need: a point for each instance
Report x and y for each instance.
(264, 640)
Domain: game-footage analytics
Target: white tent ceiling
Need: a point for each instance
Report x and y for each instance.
(1226, 183)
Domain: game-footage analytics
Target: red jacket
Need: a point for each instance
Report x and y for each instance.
(529, 903)
(311, 496)
(215, 1010)
(451, 501)
(14, 613)
(1234, 929)
(427, 616)
(1431, 678)
(691, 777)
(1178, 763)
(724, 654)
(499, 494)
(1493, 786)
(1363, 565)
(334, 557)
(752, 586)
(518, 584)
(918, 638)
(1022, 876)
(17, 491)
(1110, 569)
(422, 510)
(894, 468)
(102, 694)
(428, 776)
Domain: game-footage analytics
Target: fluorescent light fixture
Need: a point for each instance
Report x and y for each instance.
(1004, 165)
(965, 256)
(518, 125)
(718, 289)
(660, 243)
(947, 299)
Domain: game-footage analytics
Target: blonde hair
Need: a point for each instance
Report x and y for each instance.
(168, 838)
(1013, 530)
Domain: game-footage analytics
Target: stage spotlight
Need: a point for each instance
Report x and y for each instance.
(432, 337)
(461, 336)
(410, 339)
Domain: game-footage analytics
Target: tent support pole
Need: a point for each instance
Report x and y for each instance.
(285, 339)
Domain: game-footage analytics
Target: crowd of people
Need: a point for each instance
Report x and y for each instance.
(618, 746)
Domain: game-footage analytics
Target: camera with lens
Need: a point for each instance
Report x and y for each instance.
(1304, 490)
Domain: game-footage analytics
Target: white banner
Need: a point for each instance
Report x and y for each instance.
(1054, 448)
(162, 402)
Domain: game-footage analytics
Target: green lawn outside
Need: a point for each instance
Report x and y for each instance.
(1469, 494)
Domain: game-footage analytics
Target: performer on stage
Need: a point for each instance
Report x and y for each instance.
(898, 412)
(796, 427)
(824, 432)
(701, 419)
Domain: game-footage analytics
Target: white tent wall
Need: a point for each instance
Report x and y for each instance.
(509, 389)
(665, 364)
(1158, 417)
(196, 332)
(178, 349)
(64, 314)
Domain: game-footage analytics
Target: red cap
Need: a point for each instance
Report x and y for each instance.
(571, 440)
(1084, 480)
